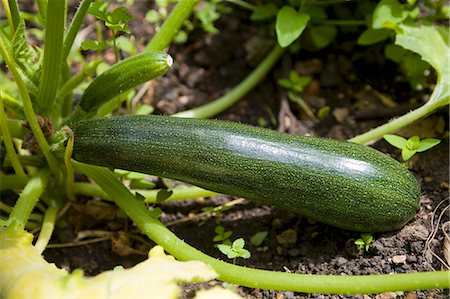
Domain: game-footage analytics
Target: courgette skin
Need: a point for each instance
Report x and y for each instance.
(123, 76)
(339, 183)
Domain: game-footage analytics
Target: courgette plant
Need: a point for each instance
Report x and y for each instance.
(44, 174)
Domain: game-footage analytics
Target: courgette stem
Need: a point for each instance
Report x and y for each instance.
(171, 25)
(394, 124)
(179, 192)
(47, 228)
(29, 197)
(74, 26)
(8, 141)
(234, 95)
(53, 54)
(28, 108)
(254, 278)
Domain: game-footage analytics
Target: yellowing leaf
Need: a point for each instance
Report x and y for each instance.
(25, 274)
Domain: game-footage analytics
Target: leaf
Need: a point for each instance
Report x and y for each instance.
(388, 13)
(163, 194)
(93, 45)
(238, 244)
(258, 238)
(397, 141)
(245, 254)
(98, 9)
(427, 143)
(226, 249)
(413, 143)
(407, 154)
(316, 12)
(372, 36)
(219, 230)
(289, 25)
(323, 35)
(264, 12)
(118, 19)
(25, 274)
(22, 52)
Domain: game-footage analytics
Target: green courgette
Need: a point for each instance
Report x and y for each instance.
(121, 77)
(339, 183)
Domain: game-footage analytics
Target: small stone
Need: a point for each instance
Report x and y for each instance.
(399, 259)
(341, 261)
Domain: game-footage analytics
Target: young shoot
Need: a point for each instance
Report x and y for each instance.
(412, 145)
(364, 242)
(235, 250)
(222, 235)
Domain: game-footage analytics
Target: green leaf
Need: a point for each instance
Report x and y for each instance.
(226, 249)
(118, 19)
(397, 141)
(285, 83)
(264, 12)
(413, 143)
(22, 52)
(395, 53)
(258, 238)
(407, 154)
(219, 230)
(290, 25)
(427, 143)
(372, 36)
(244, 253)
(153, 17)
(227, 234)
(323, 35)
(388, 13)
(163, 194)
(316, 12)
(98, 9)
(93, 45)
(238, 244)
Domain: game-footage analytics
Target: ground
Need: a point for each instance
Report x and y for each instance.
(350, 80)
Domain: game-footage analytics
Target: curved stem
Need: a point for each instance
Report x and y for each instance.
(7, 139)
(230, 98)
(254, 278)
(46, 229)
(393, 125)
(28, 109)
(29, 197)
(74, 27)
(171, 25)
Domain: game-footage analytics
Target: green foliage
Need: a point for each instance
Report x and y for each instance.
(364, 242)
(295, 82)
(258, 239)
(222, 235)
(290, 25)
(235, 250)
(411, 145)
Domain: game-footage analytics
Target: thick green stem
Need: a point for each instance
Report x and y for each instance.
(46, 229)
(230, 98)
(179, 192)
(171, 25)
(54, 37)
(29, 197)
(12, 182)
(28, 109)
(254, 278)
(394, 124)
(74, 27)
(8, 141)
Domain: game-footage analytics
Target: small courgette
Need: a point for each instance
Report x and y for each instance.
(121, 77)
(339, 183)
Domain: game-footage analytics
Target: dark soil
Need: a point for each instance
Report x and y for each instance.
(349, 79)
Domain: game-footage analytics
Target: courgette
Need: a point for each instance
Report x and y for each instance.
(339, 183)
(121, 77)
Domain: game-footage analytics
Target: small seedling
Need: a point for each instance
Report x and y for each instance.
(222, 235)
(364, 242)
(235, 250)
(412, 145)
(295, 82)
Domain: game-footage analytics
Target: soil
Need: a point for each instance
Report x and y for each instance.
(346, 77)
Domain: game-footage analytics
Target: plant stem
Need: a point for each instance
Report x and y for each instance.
(254, 278)
(393, 125)
(12, 182)
(344, 22)
(74, 27)
(54, 38)
(179, 192)
(230, 98)
(28, 109)
(7, 139)
(46, 229)
(29, 197)
(171, 25)
(243, 4)
(12, 14)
